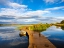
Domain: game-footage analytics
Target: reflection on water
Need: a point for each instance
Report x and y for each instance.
(55, 35)
(9, 38)
(62, 27)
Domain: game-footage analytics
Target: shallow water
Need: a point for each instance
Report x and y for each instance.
(9, 38)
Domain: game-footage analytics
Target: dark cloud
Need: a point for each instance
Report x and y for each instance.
(6, 17)
(30, 17)
(49, 19)
(45, 18)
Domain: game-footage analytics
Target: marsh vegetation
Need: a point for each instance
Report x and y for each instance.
(35, 27)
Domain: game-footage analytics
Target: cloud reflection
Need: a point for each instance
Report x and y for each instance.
(6, 35)
(54, 33)
(19, 41)
(11, 37)
(57, 39)
(53, 28)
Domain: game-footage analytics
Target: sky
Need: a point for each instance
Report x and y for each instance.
(31, 11)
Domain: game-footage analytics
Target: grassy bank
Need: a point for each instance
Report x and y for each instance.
(35, 27)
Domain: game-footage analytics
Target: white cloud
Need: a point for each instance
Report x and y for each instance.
(50, 1)
(28, 20)
(37, 13)
(8, 11)
(21, 13)
(29, 16)
(16, 5)
(50, 19)
(56, 8)
(53, 1)
(6, 20)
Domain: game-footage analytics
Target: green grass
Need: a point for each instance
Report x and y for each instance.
(35, 27)
(39, 27)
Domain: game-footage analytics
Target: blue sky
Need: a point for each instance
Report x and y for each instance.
(31, 11)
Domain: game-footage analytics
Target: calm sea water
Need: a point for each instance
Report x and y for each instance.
(9, 37)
